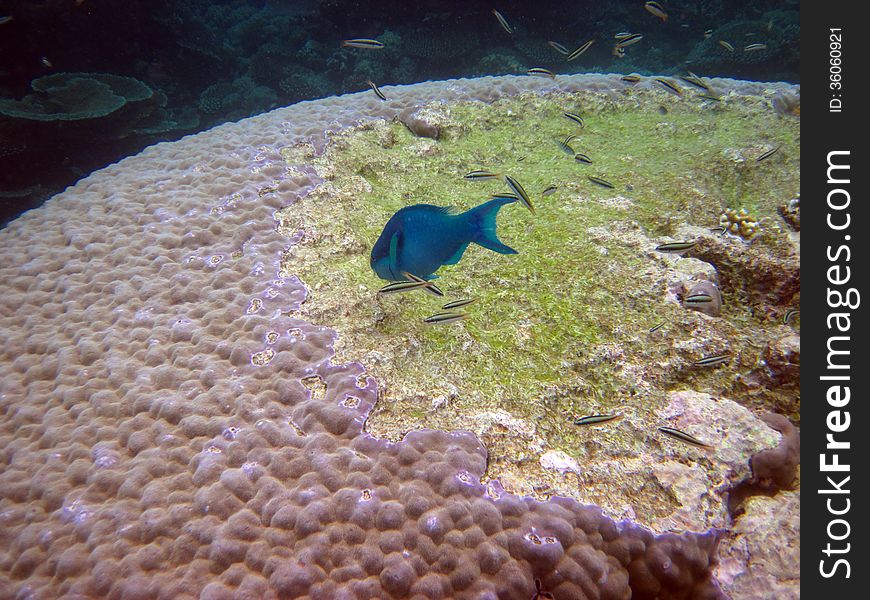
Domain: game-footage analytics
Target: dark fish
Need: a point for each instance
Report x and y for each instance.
(427, 285)
(559, 48)
(631, 78)
(767, 154)
(481, 174)
(539, 72)
(519, 191)
(502, 21)
(6, 19)
(713, 361)
(710, 96)
(655, 328)
(582, 158)
(676, 246)
(576, 118)
(789, 315)
(656, 9)
(596, 419)
(458, 303)
(445, 317)
(362, 43)
(717, 229)
(420, 239)
(580, 50)
(506, 196)
(684, 437)
(599, 181)
(377, 90)
(670, 85)
(550, 189)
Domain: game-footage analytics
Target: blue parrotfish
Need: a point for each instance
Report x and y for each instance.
(420, 239)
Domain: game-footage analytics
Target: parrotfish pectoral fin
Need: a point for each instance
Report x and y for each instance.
(394, 254)
(483, 219)
(458, 256)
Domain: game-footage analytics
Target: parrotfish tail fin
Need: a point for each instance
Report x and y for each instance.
(482, 220)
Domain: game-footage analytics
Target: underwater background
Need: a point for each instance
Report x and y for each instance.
(193, 64)
(330, 300)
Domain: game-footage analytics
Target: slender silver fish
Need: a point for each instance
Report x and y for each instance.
(519, 191)
(767, 154)
(445, 317)
(458, 303)
(427, 285)
(655, 328)
(713, 361)
(600, 181)
(377, 90)
(362, 43)
(559, 48)
(676, 246)
(502, 21)
(580, 50)
(582, 158)
(576, 118)
(550, 189)
(596, 419)
(540, 72)
(698, 299)
(482, 174)
(402, 286)
(684, 437)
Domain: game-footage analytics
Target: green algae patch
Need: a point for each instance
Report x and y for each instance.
(561, 329)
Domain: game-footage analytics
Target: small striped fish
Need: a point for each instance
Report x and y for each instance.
(670, 86)
(789, 315)
(713, 361)
(458, 303)
(377, 90)
(767, 154)
(676, 246)
(550, 189)
(481, 174)
(582, 158)
(444, 318)
(519, 191)
(596, 419)
(401, 286)
(726, 45)
(655, 328)
(502, 21)
(540, 72)
(427, 285)
(600, 181)
(697, 299)
(684, 437)
(559, 48)
(576, 118)
(362, 43)
(580, 50)
(631, 78)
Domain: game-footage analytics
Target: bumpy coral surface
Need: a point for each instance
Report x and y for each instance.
(171, 428)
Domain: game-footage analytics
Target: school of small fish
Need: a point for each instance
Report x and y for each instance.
(421, 238)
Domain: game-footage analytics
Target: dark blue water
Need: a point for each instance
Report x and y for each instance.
(189, 65)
